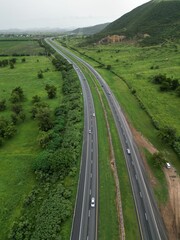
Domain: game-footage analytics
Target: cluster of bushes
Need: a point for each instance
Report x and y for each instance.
(39, 111)
(166, 83)
(53, 211)
(169, 136)
(7, 127)
(6, 62)
(49, 205)
(7, 130)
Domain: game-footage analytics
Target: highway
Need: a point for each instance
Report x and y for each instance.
(85, 217)
(150, 223)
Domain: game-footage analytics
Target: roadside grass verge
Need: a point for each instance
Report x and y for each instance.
(160, 187)
(129, 213)
(108, 221)
(128, 206)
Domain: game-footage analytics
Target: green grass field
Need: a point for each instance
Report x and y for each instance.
(134, 65)
(18, 153)
(12, 47)
(107, 215)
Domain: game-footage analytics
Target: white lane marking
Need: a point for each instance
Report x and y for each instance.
(136, 177)
(89, 213)
(90, 192)
(91, 175)
(145, 216)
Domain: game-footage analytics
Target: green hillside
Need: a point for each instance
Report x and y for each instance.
(158, 18)
(90, 30)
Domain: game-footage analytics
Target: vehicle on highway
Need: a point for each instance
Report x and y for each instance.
(93, 114)
(89, 131)
(92, 202)
(128, 151)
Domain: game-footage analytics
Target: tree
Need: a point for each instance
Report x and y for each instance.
(3, 126)
(40, 75)
(44, 117)
(10, 131)
(109, 67)
(36, 107)
(2, 105)
(178, 91)
(168, 135)
(44, 138)
(14, 118)
(22, 116)
(36, 99)
(159, 159)
(158, 79)
(51, 91)
(17, 108)
(17, 95)
(12, 60)
(11, 65)
(7, 129)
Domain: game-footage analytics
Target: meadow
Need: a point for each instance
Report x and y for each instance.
(131, 68)
(137, 65)
(20, 47)
(17, 154)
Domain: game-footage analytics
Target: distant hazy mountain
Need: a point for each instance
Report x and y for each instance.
(89, 30)
(159, 19)
(33, 31)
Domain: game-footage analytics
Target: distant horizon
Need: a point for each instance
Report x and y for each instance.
(48, 28)
(56, 14)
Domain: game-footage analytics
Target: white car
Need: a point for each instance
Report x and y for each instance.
(128, 151)
(89, 130)
(93, 114)
(92, 202)
(168, 165)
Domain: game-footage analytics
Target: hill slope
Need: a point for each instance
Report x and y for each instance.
(90, 30)
(158, 18)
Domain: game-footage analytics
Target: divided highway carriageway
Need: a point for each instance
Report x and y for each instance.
(86, 217)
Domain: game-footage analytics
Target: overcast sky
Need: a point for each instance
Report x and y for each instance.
(62, 13)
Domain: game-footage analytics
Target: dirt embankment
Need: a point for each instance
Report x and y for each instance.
(171, 211)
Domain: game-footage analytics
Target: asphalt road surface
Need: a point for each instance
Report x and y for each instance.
(150, 222)
(84, 225)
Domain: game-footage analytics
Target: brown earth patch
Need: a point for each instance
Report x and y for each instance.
(171, 211)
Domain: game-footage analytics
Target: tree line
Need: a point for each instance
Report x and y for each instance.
(49, 204)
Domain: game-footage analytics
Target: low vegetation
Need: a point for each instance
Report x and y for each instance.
(20, 48)
(152, 112)
(43, 118)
